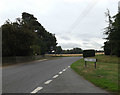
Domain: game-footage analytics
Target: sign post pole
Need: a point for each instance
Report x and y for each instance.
(85, 63)
(95, 65)
(90, 60)
(89, 53)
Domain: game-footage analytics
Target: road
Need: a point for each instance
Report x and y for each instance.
(47, 76)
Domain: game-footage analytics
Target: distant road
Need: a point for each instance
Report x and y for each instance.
(54, 76)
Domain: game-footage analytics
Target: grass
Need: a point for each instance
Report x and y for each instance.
(104, 76)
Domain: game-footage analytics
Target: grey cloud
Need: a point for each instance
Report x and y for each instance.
(95, 44)
(86, 35)
(65, 37)
(69, 45)
(89, 47)
(92, 45)
(79, 21)
(85, 43)
(85, 40)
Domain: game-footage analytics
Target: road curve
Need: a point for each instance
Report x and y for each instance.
(25, 78)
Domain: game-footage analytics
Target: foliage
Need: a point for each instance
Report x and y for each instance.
(112, 45)
(58, 50)
(72, 51)
(26, 36)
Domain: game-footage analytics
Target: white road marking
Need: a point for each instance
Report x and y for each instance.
(55, 76)
(64, 70)
(68, 66)
(42, 60)
(37, 89)
(47, 82)
(60, 72)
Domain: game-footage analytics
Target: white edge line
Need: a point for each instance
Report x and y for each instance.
(64, 70)
(37, 89)
(60, 72)
(55, 76)
(68, 66)
(47, 82)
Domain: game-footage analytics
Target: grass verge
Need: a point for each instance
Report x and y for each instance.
(104, 76)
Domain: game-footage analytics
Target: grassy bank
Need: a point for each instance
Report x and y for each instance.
(104, 76)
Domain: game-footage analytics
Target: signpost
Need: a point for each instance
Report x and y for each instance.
(89, 53)
(90, 60)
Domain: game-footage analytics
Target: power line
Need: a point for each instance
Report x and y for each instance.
(82, 15)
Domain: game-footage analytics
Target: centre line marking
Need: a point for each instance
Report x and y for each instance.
(60, 72)
(47, 82)
(55, 76)
(64, 70)
(37, 89)
(68, 66)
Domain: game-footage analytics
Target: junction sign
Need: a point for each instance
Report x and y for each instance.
(89, 53)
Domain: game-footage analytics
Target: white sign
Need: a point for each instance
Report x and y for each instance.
(90, 59)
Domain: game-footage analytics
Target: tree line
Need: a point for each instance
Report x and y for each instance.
(25, 37)
(77, 50)
(112, 44)
(59, 50)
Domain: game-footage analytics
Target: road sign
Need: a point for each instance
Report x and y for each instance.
(88, 53)
(90, 59)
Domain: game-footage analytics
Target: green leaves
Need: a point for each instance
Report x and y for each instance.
(112, 45)
(26, 37)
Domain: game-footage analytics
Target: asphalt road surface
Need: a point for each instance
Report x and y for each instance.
(46, 76)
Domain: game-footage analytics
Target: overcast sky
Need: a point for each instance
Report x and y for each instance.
(76, 23)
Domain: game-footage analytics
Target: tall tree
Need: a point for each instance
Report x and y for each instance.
(16, 40)
(46, 41)
(112, 45)
(26, 36)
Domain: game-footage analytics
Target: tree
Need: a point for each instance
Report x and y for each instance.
(17, 40)
(72, 51)
(112, 45)
(26, 36)
(46, 41)
(58, 50)
(8, 48)
(107, 48)
(77, 50)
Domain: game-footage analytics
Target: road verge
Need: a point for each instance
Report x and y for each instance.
(104, 76)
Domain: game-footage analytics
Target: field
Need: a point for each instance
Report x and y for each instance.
(104, 76)
(64, 55)
(68, 55)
